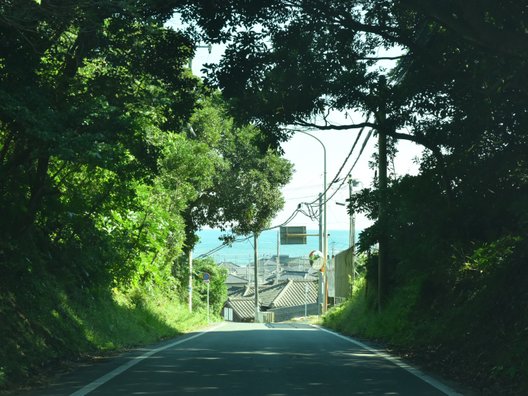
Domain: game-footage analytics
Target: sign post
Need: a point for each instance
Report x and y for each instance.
(206, 278)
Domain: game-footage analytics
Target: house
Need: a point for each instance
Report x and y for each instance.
(286, 300)
(297, 298)
(231, 268)
(235, 282)
(297, 263)
(240, 309)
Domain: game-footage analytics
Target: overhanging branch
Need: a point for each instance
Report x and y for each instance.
(396, 135)
(471, 25)
(328, 126)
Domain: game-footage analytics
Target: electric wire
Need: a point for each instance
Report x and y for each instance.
(312, 214)
(225, 244)
(353, 165)
(336, 177)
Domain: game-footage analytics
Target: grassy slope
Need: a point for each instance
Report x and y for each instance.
(44, 325)
(472, 342)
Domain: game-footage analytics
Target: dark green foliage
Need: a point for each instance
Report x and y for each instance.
(100, 169)
(459, 90)
(217, 286)
(76, 123)
(49, 324)
(244, 193)
(469, 325)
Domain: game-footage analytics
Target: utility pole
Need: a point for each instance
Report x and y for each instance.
(352, 231)
(352, 227)
(208, 309)
(320, 278)
(190, 280)
(381, 116)
(323, 243)
(277, 261)
(255, 260)
(320, 222)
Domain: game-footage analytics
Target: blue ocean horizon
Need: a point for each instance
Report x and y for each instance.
(241, 252)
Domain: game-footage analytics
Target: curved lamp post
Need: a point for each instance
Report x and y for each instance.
(325, 234)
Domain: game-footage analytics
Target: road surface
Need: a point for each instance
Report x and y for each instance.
(251, 359)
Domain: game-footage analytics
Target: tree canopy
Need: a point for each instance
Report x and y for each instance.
(455, 76)
(452, 89)
(112, 154)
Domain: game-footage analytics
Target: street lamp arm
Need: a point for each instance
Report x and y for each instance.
(325, 232)
(316, 138)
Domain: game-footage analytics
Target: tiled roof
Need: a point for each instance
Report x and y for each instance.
(312, 276)
(268, 294)
(287, 275)
(285, 294)
(231, 267)
(296, 292)
(236, 291)
(249, 291)
(243, 272)
(243, 307)
(234, 279)
(298, 261)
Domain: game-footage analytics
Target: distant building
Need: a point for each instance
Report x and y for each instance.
(297, 263)
(231, 268)
(240, 309)
(235, 282)
(287, 300)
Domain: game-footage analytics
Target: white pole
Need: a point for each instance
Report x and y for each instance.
(208, 301)
(320, 222)
(278, 257)
(255, 259)
(352, 231)
(190, 280)
(325, 231)
(352, 235)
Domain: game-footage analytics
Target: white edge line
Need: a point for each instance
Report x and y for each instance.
(414, 371)
(114, 373)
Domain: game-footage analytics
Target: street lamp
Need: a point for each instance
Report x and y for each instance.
(325, 234)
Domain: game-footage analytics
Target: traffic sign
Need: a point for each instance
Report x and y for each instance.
(293, 235)
(206, 277)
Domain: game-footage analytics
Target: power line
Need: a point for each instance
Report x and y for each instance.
(353, 165)
(336, 177)
(225, 244)
(311, 213)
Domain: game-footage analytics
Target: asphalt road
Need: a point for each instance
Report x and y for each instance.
(251, 359)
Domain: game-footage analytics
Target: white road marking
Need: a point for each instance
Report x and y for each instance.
(114, 373)
(414, 371)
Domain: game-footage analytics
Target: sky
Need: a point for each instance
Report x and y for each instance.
(306, 153)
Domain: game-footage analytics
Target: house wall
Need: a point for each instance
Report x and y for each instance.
(286, 313)
(344, 271)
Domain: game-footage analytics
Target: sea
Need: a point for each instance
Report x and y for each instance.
(241, 252)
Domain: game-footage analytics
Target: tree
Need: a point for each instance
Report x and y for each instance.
(99, 166)
(244, 193)
(83, 88)
(455, 89)
(217, 286)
